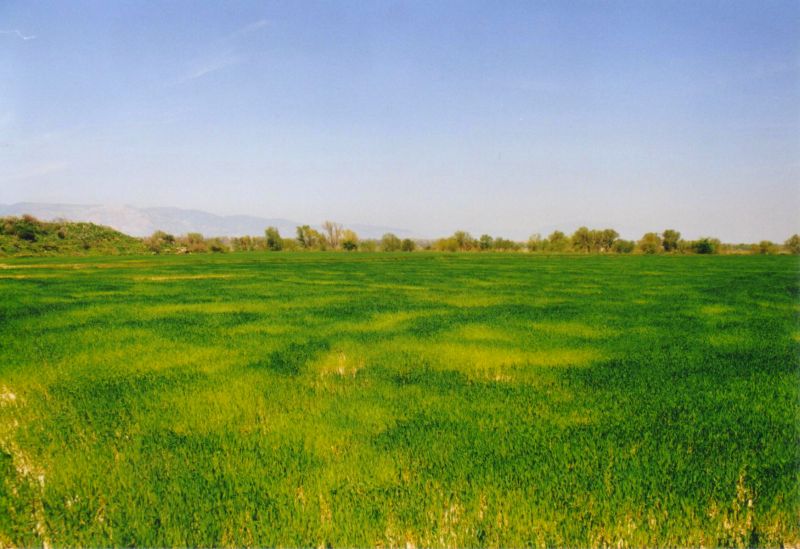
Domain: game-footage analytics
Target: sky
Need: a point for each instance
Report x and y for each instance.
(508, 118)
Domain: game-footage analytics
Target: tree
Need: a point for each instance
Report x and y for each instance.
(464, 240)
(485, 242)
(158, 241)
(349, 240)
(535, 243)
(706, 245)
(604, 239)
(195, 243)
(670, 239)
(650, 243)
(408, 245)
(765, 247)
(793, 244)
(303, 236)
(28, 228)
(165, 237)
(583, 240)
(446, 245)
(216, 245)
(274, 240)
(153, 244)
(623, 246)
(557, 241)
(308, 238)
(368, 245)
(333, 232)
(242, 244)
(504, 244)
(390, 243)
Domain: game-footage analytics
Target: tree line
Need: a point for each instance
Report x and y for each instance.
(27, 235)
(334, 236)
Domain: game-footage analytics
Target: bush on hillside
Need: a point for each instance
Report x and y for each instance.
(27, 235)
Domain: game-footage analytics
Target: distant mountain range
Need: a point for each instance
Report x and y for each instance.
(144, 221)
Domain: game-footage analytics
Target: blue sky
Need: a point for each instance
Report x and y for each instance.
(500, 117)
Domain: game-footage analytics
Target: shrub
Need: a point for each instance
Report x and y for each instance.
(650, 243)
(557, 242)
(765, 247)
(159, 242)
(582, 240)
(349, 240)
(274, 240)
(464, 240)
(604, 240)
(623, 246)
(446, 245)
(310, 239)
(28, 228)
(706, 246)
(216, 245)
(793, 244)
(390, 243)
(195, 243)
(243, 244)
(670, 239)
(535, 243)
(504, 244)
(368, 245)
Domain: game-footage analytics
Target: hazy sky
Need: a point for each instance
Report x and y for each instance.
(501, 117)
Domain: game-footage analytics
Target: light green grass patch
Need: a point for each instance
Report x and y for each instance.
(573, 329)
(388, 322)
(169, 278)
(467, 300)
(725, 340)
(482, 333)
(581, 291)
(343, 361)
(28, 276)
(715, 310)
(478, 359)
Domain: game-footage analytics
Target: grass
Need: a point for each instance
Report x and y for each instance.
(385, 400)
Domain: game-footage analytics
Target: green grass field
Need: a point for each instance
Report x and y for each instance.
(386, 400)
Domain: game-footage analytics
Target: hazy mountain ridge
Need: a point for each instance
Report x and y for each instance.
(136, 221)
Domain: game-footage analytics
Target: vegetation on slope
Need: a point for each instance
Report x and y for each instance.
(27, 235)
(385, 400)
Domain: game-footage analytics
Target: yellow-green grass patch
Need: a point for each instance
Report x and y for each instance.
(573, 329)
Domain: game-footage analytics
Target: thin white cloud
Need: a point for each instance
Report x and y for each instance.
(247, 29)
(228, 57)
(18, 33)
(212, 65)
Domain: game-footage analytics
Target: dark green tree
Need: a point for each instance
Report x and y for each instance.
(274, 240)
(670, 239)
(390, 243)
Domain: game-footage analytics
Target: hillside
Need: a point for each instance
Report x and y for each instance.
(26, 235)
